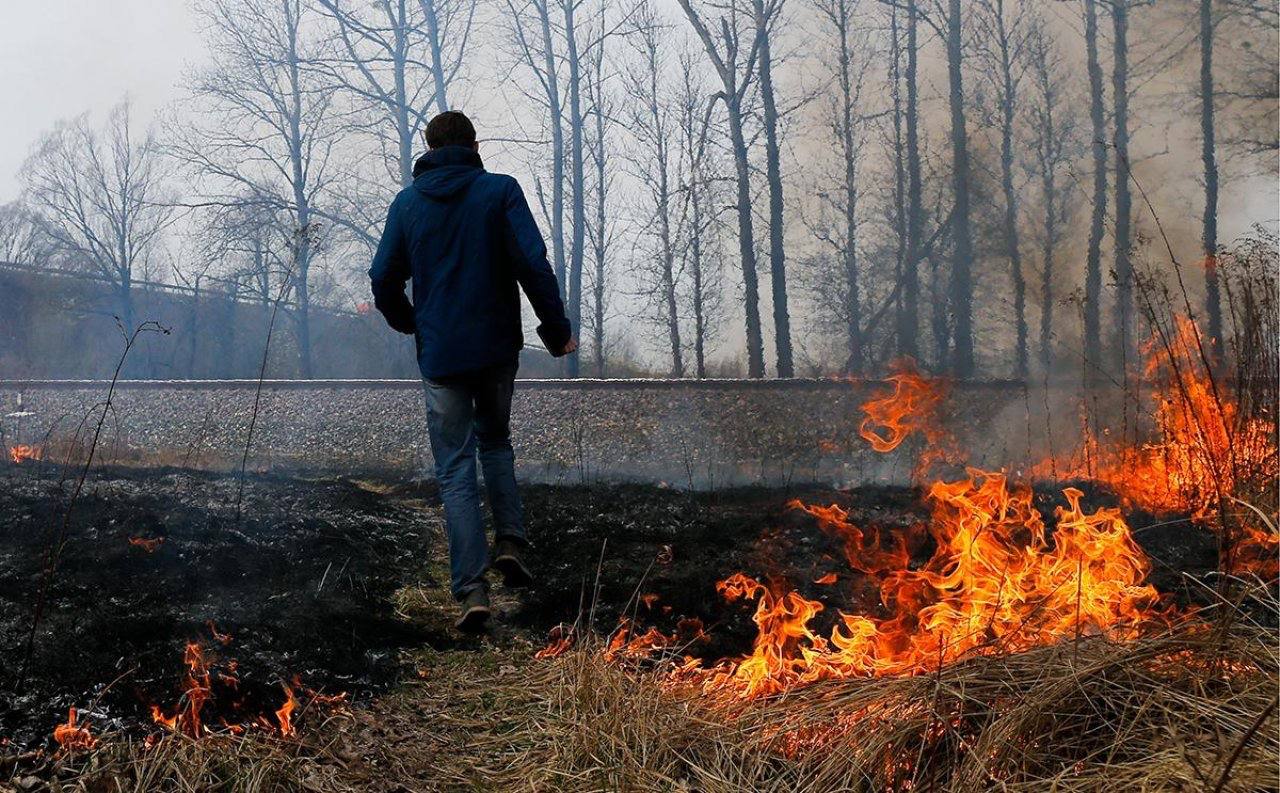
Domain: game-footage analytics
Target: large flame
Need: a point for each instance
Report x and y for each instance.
(1001, 578)
(1204, 451)
(999, 581)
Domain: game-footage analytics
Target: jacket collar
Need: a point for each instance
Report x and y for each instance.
(447, 155)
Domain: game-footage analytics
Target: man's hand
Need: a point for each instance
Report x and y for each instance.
(570, 346)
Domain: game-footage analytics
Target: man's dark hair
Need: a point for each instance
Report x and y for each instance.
(450, 128)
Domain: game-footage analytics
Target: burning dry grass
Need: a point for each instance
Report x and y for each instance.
(1191, 709)
(174, 763)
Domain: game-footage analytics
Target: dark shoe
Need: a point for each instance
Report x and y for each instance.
(506, 560)
(475, 611)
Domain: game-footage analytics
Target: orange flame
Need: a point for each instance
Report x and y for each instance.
(1001, 579)
(284, 716)
(195, 692)
(23, 452)
(72, 736)
(222, 638)
(562, 639)
(911, 407)
(625, 643)
(1205, 450)
(147, 544)
(997, 583)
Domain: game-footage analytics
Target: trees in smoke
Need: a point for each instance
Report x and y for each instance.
(600, 111)
(653, 162)
(1002, 32)
(100, 196)
(1209, 159)
(1246, 84)
(21, 238)
(542, 36)
(265, 136)
(907, 164)
(1123, 195)
(1098, 214)
(534, 48)
(1052, 140)
(397, 59)
(766, 15)
(577, 176)
(700, 188)
(851, 52)
(961, 291)
(736, 69)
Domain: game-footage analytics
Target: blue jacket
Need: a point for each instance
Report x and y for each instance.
(468, 241)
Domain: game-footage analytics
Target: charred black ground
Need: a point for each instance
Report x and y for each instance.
(304, 580)
(300, 583)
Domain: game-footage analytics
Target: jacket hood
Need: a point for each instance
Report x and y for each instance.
(445, 172)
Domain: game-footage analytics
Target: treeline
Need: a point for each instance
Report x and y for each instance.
(748, 187)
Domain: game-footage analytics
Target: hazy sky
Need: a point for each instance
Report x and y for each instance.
(59, 58)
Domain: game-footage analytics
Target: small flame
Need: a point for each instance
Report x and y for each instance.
(284, 716)
(23, 452)
(72, 736)
(562, 638)
(148, 544)
(222, 638)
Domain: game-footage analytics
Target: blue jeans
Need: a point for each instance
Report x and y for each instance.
(467, 412)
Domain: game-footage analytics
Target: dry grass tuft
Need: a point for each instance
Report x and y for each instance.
(173, 763)
(1191, 709)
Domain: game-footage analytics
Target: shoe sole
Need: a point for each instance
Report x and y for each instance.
(514, 573)
(473, 620)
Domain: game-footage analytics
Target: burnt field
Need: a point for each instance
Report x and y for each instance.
(297, 592)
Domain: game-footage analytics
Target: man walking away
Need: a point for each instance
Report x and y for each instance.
(468, 241)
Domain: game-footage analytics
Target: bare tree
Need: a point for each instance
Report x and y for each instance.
(533, 40)
(736, 69)
(850, 52)
(907, 158)
(22, 240)
(766, 15)
(393, 60)
(1248, 84)
(961, 231)
(699, 188)
(1209, 157)
(653, 123)
(1124, 199)
(1097, 218)
(100, 196)
(600, 110)
(264, 134)
(1002, 32)
(1052, 142)
(577, 177)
